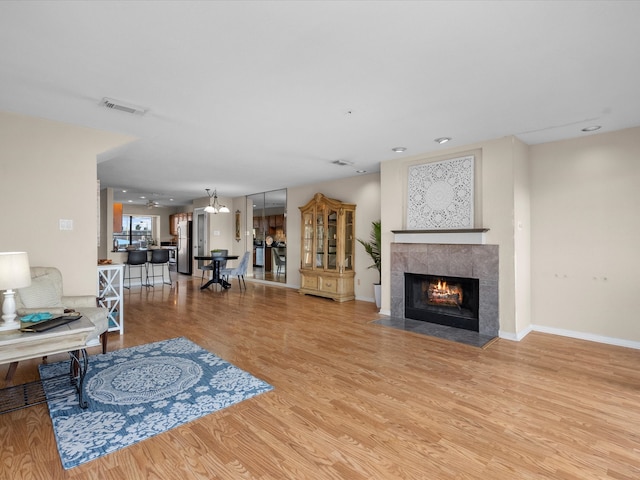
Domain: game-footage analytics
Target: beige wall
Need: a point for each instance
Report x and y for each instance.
(501, 187)
(565, 215)
(522, 235)
(585, 234)
(48, 172)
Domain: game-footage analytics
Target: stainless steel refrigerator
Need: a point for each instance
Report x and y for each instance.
(185, 248)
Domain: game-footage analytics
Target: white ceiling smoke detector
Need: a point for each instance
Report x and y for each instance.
(122, 106)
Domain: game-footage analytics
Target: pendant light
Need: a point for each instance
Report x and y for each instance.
(214, 207)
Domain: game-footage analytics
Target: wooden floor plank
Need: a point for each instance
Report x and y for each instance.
(356, 400)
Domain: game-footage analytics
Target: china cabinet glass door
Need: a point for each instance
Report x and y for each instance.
(349, 242)
(320, 239)
(307, 240)
(332, 242)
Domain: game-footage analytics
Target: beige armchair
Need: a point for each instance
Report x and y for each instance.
(45, 294)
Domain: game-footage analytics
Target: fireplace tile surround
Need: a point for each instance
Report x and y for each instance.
(456, 260)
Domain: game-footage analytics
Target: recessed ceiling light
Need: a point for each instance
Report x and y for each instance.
(142, 196)
(399, 149)
(124, 191)
(361, 171)
(592, 128)
(442, 140)
(130, 201)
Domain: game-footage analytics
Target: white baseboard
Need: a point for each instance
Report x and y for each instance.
(516, 337)
(620, 342)
(366, 299)
(572, 334)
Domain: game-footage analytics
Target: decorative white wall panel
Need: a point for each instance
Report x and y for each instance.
(441, 194)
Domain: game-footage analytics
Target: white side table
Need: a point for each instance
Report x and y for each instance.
(17, 346)
(110, 287)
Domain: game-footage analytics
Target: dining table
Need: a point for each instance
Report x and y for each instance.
(215, 272)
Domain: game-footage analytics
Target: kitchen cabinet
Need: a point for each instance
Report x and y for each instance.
(327, 248)
(269, 223)
(117, 217)
(173, 225)
(177, 218)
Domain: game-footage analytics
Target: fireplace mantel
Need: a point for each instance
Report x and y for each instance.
(455, 236)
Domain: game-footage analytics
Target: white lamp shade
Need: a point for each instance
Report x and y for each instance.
(14, 270)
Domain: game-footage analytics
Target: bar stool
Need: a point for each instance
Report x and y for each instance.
(159, 257)
(137, 258)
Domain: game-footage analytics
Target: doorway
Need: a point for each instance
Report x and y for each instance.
(200, 233)
(269, 235)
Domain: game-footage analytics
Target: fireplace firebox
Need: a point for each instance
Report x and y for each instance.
(445, 300)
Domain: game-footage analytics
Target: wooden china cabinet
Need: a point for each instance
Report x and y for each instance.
(328, 248)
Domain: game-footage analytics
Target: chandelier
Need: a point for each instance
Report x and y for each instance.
(214, 207)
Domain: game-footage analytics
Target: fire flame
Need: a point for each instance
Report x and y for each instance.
(441, 293)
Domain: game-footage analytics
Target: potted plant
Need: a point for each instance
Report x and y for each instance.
(373, 248)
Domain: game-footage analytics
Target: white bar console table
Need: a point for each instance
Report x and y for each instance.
(110, 288)
(18, 346)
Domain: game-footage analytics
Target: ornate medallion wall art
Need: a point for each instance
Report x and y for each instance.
(440, 194)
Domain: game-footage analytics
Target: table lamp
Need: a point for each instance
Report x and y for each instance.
(14, 273)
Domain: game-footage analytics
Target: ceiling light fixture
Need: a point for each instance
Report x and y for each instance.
(215, 207)
(399, 149)
(592, 128)
(442, 140)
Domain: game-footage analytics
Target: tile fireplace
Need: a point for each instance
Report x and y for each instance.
(449, 284)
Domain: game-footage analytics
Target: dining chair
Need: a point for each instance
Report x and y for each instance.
(205, 267)
(280, 261)
(240, 271)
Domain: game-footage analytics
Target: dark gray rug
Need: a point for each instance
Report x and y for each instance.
(458, 335)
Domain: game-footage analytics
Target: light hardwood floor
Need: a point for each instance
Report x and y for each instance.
(353, 400)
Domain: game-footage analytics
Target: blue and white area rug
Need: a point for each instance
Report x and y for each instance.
(138, 392)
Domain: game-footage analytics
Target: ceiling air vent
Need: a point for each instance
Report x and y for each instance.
(342, 163)
(122, 106)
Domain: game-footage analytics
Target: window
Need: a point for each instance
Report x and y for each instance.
(138, 231)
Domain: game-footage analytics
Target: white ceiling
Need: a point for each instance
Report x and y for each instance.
(249, 96)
